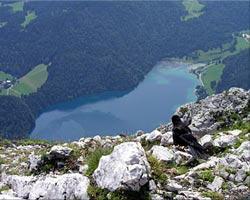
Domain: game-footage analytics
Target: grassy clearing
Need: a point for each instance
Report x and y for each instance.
(194, 9)
(31, 81)
(216, 54)
(30, 16)
(16, 6)
(4, 76)
(211, 76)
(211, 73)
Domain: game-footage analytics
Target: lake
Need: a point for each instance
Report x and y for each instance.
(149, 105)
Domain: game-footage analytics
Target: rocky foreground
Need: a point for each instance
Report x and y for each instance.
(140, 166)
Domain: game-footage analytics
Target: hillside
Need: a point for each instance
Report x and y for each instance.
(151, 167)
(105, 46)
(56, 51)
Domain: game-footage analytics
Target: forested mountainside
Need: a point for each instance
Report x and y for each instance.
(69, 49)
(16, 118)
(236, 72)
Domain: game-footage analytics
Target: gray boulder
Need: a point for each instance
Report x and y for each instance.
(125, 168)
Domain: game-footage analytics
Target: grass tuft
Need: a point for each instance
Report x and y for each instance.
(94, 158)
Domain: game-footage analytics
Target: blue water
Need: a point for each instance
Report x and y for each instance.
(150, 104)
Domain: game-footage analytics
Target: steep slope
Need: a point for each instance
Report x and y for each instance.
(141, 166)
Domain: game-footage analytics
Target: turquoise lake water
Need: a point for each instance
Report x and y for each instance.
(150, 104)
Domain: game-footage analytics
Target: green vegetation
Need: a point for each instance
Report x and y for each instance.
(158, 170)
(27, 84)
(213, 195)
(211, 74)
(218, 54)
(1, 161)
(30, 16)
(103, 194)
(25, 142)
(2, 24)
(4, 76)
(211, 77)
(230, 170)
(4, 188)
(148, 145)
(94, 158)
(206, 175)
(31, 81)
(194, 9)
(16, 6)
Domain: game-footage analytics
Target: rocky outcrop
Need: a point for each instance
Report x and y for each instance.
(66, 186)
(215, 111)
(144, 164)
(125, 168)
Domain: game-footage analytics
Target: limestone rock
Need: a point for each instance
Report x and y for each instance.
(182, 157)
(21, 185)
(167, 138)
(216, 184)
(67, 186)
(173, 186)
(125, 168)
(154, 136)
(225, 140)
(59, 152)
(162, 153)
(34, 161)
(206, 140)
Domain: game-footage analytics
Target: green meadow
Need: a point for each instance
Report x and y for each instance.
(27, 84)
(212, 73)
(194, 9)
(30, 16)
(31, 81)
(4, 76)
(16, 6)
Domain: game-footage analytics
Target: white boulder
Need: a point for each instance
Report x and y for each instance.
(162, 153)
(21, 185)
(34, 161)
(125, 168)
(225, 140)
(206, 140)
(59, 152)
(67, 186)
(167, 138)
(154, 136)
(216, 184)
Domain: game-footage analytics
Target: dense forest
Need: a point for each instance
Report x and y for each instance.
(94, 47)
(236, 72)
(16, 118)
